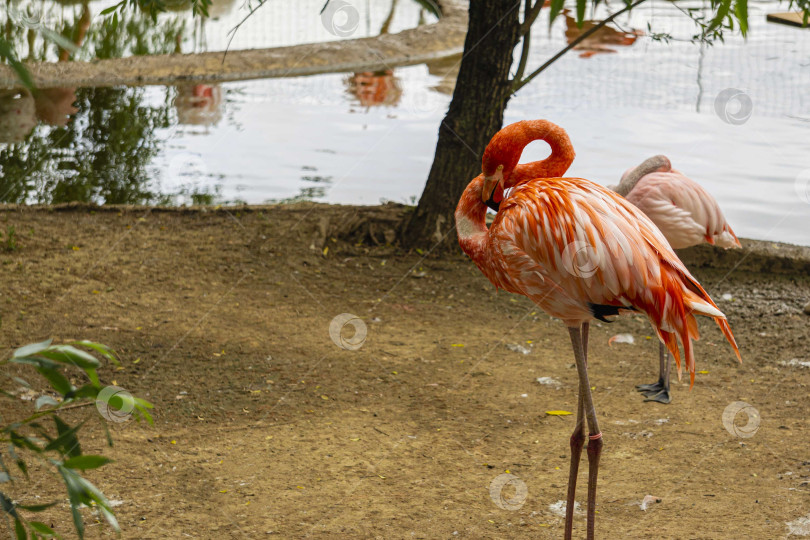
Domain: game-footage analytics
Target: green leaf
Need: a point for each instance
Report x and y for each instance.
(58, 381)
(34, 361)
(722, 13)
(99, 348)
(41, 528)
(93, 376)
(86, 462)
(581, 4)
(22, 466)
(109, 10)
(556, 8)
(22, 382)
(7, 505)
(45, 400)
(66, 442)
(21, 441)
(81, 491)
(141, 405)
(68, 354)
(19, 529)
(32, 349)
(110, 517)
(75, 496)
(85, 391)
(108, 434)
(741, 12)
(59, 39)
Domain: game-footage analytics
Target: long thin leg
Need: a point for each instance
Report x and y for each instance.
(661, 394)
(594, 435)
(577, 442)
(659, 391)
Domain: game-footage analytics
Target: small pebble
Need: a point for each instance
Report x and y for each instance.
(807, 308)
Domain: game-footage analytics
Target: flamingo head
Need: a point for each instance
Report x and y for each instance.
(497, 166)
(492, 191)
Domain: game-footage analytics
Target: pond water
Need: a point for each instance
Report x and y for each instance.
(363, 138)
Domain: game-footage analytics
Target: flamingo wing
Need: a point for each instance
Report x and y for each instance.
(577, 249)
(684, 211)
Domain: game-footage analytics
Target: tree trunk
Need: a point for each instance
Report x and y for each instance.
(482, 90)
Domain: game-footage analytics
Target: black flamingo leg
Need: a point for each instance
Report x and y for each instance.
(659, 391)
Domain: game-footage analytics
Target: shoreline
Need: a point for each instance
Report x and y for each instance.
(755, 255)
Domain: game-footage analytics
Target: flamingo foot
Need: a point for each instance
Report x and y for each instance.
(661, 397)
(651, 389)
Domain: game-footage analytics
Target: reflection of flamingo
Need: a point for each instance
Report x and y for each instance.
(375, 88)
(534, 248)
(199, 104)
(54, 106)
(687, 215)
(17, 115)
(601, 40)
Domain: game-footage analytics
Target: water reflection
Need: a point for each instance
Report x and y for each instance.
(276, 24)
(199, 104)
(601, 41)
(103, 155)
(373, 88)
(308, 192)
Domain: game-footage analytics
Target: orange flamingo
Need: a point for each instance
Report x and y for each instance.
(687, 215)
(535, 247)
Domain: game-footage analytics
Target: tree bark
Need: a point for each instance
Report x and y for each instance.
(483, 88)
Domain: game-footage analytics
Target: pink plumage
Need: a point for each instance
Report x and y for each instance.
(684, 211)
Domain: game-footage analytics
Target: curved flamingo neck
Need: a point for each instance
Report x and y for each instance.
(471, 223)
(507, 145)
(650, 165)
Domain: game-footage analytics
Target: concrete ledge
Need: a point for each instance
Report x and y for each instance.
(755, 256)
(412, 46)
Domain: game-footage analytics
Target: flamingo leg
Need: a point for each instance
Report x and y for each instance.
(594, 435)
(659, 391)
(577, 442)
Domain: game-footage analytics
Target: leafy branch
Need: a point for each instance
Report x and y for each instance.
(58, 448)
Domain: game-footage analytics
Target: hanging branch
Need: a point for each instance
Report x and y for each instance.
(530, 15)
(585, 35)
(527, 38)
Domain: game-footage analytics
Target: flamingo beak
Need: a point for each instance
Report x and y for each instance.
(491, 183)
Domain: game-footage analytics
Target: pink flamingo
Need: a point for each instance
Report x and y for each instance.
(579, 251)
(687, 215)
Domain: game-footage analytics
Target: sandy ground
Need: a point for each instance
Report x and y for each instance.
(265, 427)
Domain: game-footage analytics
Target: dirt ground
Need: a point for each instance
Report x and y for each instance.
(264, 427)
